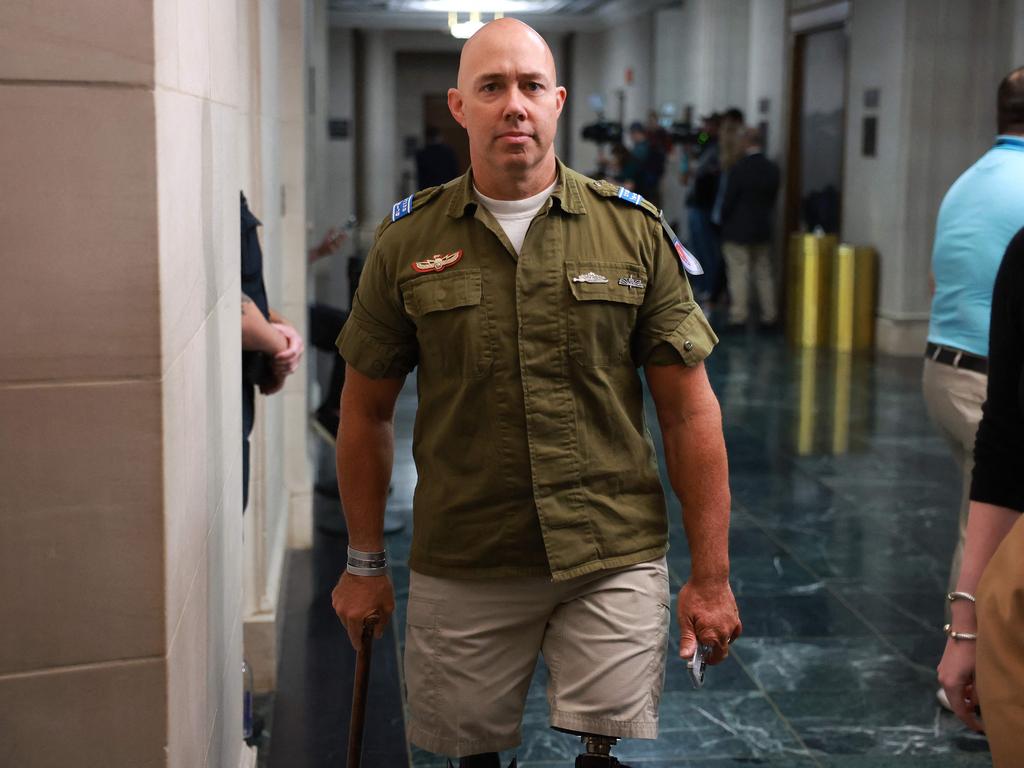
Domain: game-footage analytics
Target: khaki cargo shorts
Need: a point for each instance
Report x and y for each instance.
(471, 648)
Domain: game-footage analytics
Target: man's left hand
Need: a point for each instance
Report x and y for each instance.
(707, 611)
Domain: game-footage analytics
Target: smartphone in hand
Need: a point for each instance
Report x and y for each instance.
(698, 664)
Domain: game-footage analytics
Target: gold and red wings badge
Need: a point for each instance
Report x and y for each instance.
(438, 262)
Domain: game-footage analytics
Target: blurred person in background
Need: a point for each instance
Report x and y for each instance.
(435, 161)
(979, 215)
(271, 347)
(748, 207)
(703, 169)
(646, 165)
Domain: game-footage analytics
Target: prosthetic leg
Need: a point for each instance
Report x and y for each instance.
(485, 760)
(599, 752)
(598, 755)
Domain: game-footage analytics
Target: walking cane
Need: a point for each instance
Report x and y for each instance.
(359, 690)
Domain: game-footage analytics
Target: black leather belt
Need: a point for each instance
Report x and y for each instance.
(956, 357)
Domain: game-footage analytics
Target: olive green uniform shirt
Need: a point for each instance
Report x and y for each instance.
(532, 452)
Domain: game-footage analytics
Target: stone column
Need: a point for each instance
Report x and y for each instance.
(128, 131)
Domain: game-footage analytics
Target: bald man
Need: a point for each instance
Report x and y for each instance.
(527, 296)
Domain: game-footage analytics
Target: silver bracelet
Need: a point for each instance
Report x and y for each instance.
(358, 570)
(382, 555)
(954, 596)
(948, 629)
(367, 563)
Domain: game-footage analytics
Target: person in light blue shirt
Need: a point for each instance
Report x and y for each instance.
(979, 216)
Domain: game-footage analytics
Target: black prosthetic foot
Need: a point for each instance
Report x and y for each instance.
(599, 761)
(484, 760)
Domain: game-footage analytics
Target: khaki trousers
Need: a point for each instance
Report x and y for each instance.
(953, 397)
(740, 261)
(1000, 665)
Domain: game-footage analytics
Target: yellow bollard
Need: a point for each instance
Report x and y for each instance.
(810, 289)
(852, 326)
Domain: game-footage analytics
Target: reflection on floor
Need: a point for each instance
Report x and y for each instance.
(844, 506)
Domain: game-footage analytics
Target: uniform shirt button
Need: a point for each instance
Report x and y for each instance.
(688, 345)
(441, 295)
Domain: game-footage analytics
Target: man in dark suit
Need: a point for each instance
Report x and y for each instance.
(435, 161)
(747, 211)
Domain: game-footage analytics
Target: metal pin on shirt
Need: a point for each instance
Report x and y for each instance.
(590, 277)
(631, 282)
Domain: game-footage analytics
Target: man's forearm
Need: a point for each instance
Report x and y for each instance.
(699, 473)
(365, 455)
(257, 333)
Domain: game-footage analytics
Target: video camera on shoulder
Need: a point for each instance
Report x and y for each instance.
(689, 137)
(603, 132)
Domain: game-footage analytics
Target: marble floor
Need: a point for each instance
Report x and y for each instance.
(844, 506)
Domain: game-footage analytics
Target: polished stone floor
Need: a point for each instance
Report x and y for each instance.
(844, 505)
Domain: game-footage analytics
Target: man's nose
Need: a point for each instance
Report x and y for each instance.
(515, 108)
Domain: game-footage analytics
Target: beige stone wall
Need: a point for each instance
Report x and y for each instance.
(83, 633)
(128, 130)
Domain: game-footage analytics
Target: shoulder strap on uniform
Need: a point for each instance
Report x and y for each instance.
(687, 261)
(407, 205)
(607, 189)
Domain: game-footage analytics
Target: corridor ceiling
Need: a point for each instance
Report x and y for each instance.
(582, 15)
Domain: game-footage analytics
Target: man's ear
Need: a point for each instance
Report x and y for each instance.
(560, 94)
(455, 106)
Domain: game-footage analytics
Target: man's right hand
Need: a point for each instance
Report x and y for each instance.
(356, 598)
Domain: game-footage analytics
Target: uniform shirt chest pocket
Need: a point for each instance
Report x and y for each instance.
(451, 323)
(603, 301)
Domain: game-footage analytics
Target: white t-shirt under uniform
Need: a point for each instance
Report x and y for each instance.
(515, 216)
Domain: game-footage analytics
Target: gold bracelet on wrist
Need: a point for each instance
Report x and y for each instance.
(948, 629)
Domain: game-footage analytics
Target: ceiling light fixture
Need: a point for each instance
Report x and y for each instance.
(466, 29)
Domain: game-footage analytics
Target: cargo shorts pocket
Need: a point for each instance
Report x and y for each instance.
(421, 664)
(452, 325)
(603, 301)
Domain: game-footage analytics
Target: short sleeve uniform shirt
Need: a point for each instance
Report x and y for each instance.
(531, 448)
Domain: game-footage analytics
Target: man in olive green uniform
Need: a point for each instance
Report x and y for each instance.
(527, 296)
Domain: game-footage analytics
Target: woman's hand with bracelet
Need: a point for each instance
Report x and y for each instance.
(956, 670)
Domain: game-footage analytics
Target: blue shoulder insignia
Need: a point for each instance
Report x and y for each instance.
(630, 196)
(402, 208)
(608, 190)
